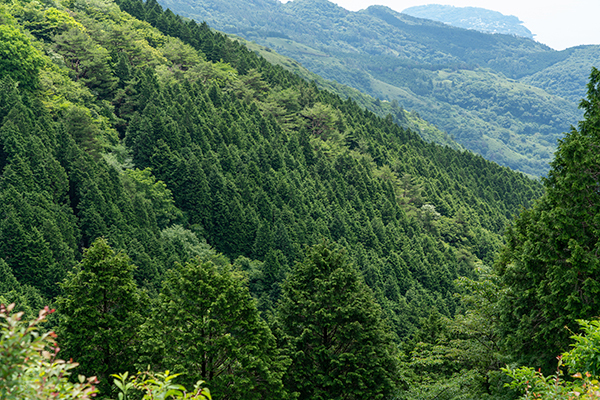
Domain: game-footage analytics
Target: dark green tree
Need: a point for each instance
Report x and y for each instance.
(333, 330)
(87, 61)
(551, 263)
(101, 312)
(27, 298)
(206, 324)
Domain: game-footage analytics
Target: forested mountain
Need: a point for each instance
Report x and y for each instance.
(567, 78)
(405, 118)
(477, 87)
(479, 19)
(189, 206)
(255, 160)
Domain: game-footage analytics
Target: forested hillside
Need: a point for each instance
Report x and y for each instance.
(569, 77)
(188, 206)
(507, 98)
(405, 118)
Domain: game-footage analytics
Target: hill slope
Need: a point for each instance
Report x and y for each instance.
(568, 78)
(158, 138)
(110, 128)
(402, 117)
(417, 62)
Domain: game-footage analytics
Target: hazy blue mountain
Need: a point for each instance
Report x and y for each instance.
(479, 19)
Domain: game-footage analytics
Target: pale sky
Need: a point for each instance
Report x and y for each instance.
(556, 23)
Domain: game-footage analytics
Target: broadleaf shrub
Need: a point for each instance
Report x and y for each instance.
(30, 368)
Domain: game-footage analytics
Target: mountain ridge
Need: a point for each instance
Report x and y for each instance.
(480, 19)
(393, 56)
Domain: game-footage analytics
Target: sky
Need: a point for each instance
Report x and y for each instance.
(556, 23)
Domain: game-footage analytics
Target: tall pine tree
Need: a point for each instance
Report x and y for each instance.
(205, 324)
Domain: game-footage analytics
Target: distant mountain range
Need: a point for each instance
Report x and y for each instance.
(479, 19)
(506, 97)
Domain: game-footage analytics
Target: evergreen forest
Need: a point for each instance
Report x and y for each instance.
(506, 97)
(186, 214)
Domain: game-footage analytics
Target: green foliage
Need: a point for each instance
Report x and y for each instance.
(19, 59)
(30, 368)
(38, 234)
(157, 387)
(157, 193)
(582, 362)
(205, 324)
(44, 24)
(184, 245)
(550, 262)
(101, 310)
(79, 122)
(334, 332)
(460, 357)
(323, 120)
(11, 291)
(181, 55)
(585, 355)
(87, 61)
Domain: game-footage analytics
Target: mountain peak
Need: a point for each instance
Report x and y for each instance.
(474, 18)
(314, 6)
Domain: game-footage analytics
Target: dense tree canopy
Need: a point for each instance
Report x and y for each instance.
(210, 170)
(101, 311)
(334, 332)
(550, 263)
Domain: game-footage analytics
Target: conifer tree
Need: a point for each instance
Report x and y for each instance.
(333, 330)
(101, 311)
(206, 325)
(551, 263)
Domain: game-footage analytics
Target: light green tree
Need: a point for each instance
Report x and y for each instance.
(18, 58)
(157, 193)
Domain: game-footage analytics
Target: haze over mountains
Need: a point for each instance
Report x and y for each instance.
(479, 19)
(505, 97)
